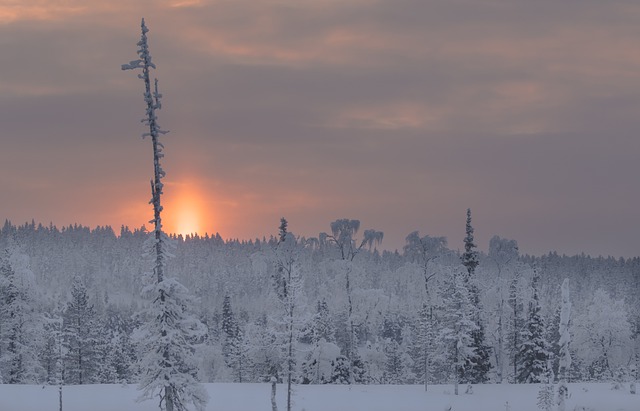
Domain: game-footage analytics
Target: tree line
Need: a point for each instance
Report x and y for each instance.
(328, 309)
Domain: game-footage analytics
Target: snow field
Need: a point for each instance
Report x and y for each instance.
(256, 397)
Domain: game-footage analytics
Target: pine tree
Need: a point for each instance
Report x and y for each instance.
(169, 332)
(478, 368)
(534, 351)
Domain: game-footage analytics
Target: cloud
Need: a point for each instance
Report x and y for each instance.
(401, 114)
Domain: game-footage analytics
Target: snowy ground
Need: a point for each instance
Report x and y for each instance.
(256, 397)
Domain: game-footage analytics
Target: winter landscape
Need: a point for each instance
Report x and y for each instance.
(145, 309)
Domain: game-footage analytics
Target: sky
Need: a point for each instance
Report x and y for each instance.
(399, 113)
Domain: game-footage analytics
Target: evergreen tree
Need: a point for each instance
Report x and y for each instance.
(478, 368)
(456, 335)
(565, 353)
(341, 373)
(534, 351)
(233, 345)
(546, 394)
(80, 337)
(318, 360)
(470, 255)
(19, 326)
(516, 325)
(169, 332)
(394, 366)
(424, 345)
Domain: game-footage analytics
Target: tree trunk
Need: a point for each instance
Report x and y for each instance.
(290, 362)
(274, 405)
(168, 398)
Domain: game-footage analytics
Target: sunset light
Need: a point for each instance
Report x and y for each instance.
(185, 212)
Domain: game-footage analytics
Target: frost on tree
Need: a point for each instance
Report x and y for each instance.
(603, 337)
(479, 367)
(565, 339)
(455, 337)
(169, 332)
(288, 287)
(534, 350)
(19, 325)
(80, 337)
(343, 232)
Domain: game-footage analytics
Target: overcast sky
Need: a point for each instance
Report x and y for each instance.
(399, 113)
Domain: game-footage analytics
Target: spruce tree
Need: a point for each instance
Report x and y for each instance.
(534, 351)
(515, 327)
(565, 353)
(455, 337)
(80, 337)
(19, 325)
(478, 367)
(233, 345)
(322, 338)
(168, 331)
(470, 255)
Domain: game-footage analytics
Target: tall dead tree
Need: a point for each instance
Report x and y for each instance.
(168, 331)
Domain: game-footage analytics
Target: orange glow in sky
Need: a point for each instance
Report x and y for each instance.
(184, 211)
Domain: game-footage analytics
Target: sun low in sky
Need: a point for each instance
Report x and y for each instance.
(401, 114)
(185, 210)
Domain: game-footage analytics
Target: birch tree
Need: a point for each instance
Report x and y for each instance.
(343, 232)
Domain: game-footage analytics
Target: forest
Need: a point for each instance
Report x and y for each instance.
(332, 309)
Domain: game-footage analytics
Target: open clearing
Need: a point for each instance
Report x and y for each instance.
(256, 397)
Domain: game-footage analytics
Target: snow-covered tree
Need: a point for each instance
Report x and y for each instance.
(167, 342)
(515, 326)
(343, 232)
(502, 264)
(603, 335)
(534, 349)
(316, 368)
(80, 337)
(455, 337)
(288, 287)
(423, 251)
(479, 367)
(424, 345)
(470, 255)
(546, 393)
(169, 331)
(565, 353)
(20, 326)
(234, 348)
